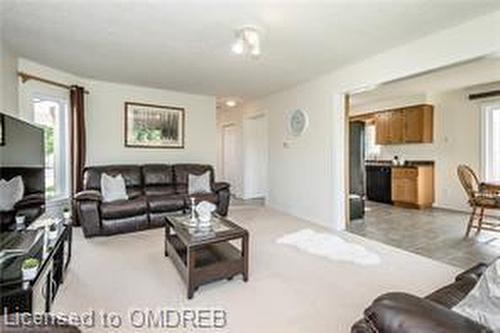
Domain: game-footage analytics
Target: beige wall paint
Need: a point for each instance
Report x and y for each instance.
(105, 125)
(8, 80)
(105, 118)
(231, 117)
(308, 179)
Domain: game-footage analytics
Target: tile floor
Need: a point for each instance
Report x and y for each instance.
(434, 233)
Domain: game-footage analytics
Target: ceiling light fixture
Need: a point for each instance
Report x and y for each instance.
(231, 103)
(247, 41)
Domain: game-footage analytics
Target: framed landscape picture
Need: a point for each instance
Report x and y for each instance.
(153, 126)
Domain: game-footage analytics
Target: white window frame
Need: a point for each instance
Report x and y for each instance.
(486, 136)
(62, 164)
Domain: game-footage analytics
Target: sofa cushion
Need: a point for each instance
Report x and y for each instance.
(158, 174)
(113, 188)
(159, 190)
(199, 183)
(182, 172)
(166, 203)
(131, 174)
(123, 208)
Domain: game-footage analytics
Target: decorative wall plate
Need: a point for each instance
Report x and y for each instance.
(298, 121)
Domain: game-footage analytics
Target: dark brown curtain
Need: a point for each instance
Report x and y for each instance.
(78, 147)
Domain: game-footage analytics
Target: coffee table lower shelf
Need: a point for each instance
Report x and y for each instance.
(206, 263)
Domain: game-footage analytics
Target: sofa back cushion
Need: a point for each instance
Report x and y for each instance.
(131, 174)
(158, 179)
(182, 172)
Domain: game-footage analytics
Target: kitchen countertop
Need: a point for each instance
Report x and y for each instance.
(408, 164)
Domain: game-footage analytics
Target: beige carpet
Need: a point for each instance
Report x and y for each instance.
(288, 291)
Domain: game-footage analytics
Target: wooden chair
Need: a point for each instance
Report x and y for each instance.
(480, 198)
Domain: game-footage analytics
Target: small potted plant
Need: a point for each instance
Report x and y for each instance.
(66, 213)
(29, 268)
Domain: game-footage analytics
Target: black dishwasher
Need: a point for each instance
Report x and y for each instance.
(378, 183)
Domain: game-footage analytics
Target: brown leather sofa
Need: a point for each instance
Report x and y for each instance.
(32, 204)
(154, 190)
(405, 313)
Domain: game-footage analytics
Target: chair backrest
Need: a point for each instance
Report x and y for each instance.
(469, 180)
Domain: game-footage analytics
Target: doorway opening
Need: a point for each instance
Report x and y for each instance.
(230, 152)
(406, 140)
(255, 156)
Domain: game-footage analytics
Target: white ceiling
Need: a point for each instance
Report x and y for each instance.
(468, 75)
(185, 45)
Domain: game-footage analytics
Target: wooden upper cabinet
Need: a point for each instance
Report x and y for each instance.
(412, 124)
(382, 135)
(418, 124)
(396, 126)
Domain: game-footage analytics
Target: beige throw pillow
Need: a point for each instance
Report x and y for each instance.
(113, 188)
(199, 184)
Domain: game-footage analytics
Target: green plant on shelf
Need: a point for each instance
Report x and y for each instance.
(30, 263)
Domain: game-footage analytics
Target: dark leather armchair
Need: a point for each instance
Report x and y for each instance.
(32, 204)
(154, 191)
(404, 313)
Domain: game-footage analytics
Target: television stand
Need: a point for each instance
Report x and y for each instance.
(37, 295)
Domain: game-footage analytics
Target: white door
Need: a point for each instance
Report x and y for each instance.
(230, 156)
(255, 160)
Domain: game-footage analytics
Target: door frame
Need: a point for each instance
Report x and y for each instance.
(246, 118)
(223, 127)
(346, 96)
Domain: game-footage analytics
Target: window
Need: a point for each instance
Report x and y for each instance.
(491, 142)
(51, 113)
(372, 150)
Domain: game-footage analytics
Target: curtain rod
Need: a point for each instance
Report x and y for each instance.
(26, 77)
(486, 94)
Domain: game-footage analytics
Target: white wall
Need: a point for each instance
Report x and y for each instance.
(8, 80)
(231, 117)
(384, 104)
(308, 179)
(105, 118)
(105, 125)
(255, 161)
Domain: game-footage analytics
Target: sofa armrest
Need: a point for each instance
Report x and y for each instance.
(31, 200)
(474, 272)
(219, 186)
(223, 197)
(87, 205)
(404, 313)
(88, 195)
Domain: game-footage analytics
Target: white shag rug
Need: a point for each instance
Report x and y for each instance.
(329, 246)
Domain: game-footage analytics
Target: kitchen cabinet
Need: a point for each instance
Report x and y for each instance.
(418, 124)
(382, 135)
(413, 186)
(413, 124)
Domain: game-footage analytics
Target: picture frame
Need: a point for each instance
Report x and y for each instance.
(154, 126)
(2, 130)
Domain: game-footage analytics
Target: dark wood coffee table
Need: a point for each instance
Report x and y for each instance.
(202, 256)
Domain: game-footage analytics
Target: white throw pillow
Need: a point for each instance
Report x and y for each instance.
(113, 188)
(199, 184)
(10, 192)
(482, 304)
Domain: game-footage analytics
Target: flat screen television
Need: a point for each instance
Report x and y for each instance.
(22, 155)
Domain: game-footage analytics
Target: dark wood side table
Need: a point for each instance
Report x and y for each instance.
(202, 256)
